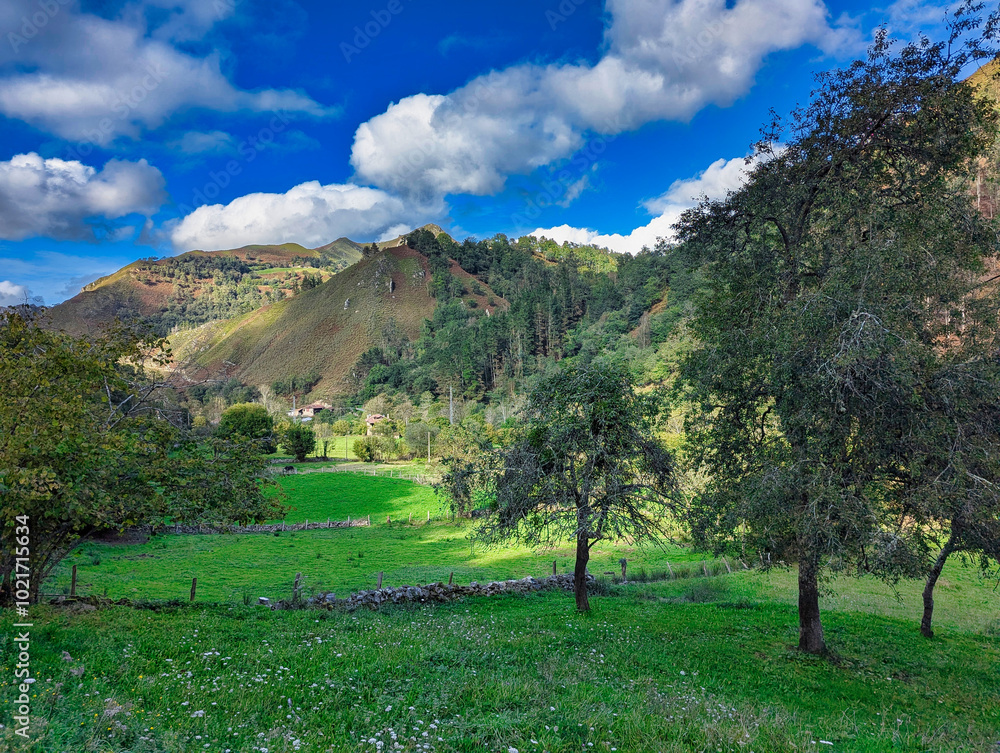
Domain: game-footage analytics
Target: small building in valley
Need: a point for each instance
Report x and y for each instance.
(373, 419)
(309, 411)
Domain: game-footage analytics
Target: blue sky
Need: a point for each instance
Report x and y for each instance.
(152, 127)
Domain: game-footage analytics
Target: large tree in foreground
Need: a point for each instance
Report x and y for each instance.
(586, 466)
(839, 275)
(87, 445)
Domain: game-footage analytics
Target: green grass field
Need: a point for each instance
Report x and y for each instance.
(697, 664)
(340, 449)
(341, 560)
(667, 667)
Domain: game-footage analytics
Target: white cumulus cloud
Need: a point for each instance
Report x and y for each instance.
(664, 60)
(93, 79)
(61, 199)
(12, 295)
(310, 214)
(714, 182)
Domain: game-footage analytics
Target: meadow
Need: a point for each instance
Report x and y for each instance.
(408, 550)
(694, 664)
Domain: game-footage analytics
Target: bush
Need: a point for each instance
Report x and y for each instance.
(341, 428)
(248, 420)
(366, 449)
(298, 440)
(371, 449)
(416, 437)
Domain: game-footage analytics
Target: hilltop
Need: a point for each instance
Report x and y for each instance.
(326, 329)
(201, 286)
(418, 314)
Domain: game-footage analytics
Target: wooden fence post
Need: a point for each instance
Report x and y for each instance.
(624, 563)
(704, 568)
(194, 587)
(428, 516)
(670, 570)
(451, 578)
(726, 563)
(553, 567)
(72, 585)
(379, 580)
(388, 519)
(296, 586)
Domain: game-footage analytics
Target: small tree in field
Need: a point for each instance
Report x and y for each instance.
(299, 440)
(249, 420)
(828, 390)
(586, 466)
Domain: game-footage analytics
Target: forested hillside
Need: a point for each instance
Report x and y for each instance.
(428, 315)
(197, 287)
(579, 301)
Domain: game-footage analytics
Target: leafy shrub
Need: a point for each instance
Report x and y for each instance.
(299, 440)
(366, 449)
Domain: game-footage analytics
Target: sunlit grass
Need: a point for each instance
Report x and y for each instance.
(653, 668)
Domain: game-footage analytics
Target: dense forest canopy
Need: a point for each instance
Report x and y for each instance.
(576, 301)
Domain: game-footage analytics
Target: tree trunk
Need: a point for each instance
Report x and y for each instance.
(932, 579)
(580, 574)
(810, 626)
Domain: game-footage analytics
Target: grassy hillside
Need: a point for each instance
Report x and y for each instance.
(670, 668)
(200, 285)
(695, 664)
(986, 81)
(324, 330)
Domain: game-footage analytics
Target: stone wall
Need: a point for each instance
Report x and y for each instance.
(434, 592)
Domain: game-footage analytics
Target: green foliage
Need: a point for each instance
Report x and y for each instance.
(836, 276)
(232, 391)
(418, 437)
(85, 445)
(366, 449)
(251, 421)
(375, 448)
(341, 427)
(586, 466)
(297, 384)
(555, 310)
(310, 281)
(299, 440)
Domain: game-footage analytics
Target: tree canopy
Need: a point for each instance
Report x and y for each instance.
(86, 444)
(586, 466)
(838, 275)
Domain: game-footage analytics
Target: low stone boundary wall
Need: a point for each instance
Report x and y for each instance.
(263, 528)
(434, 592)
